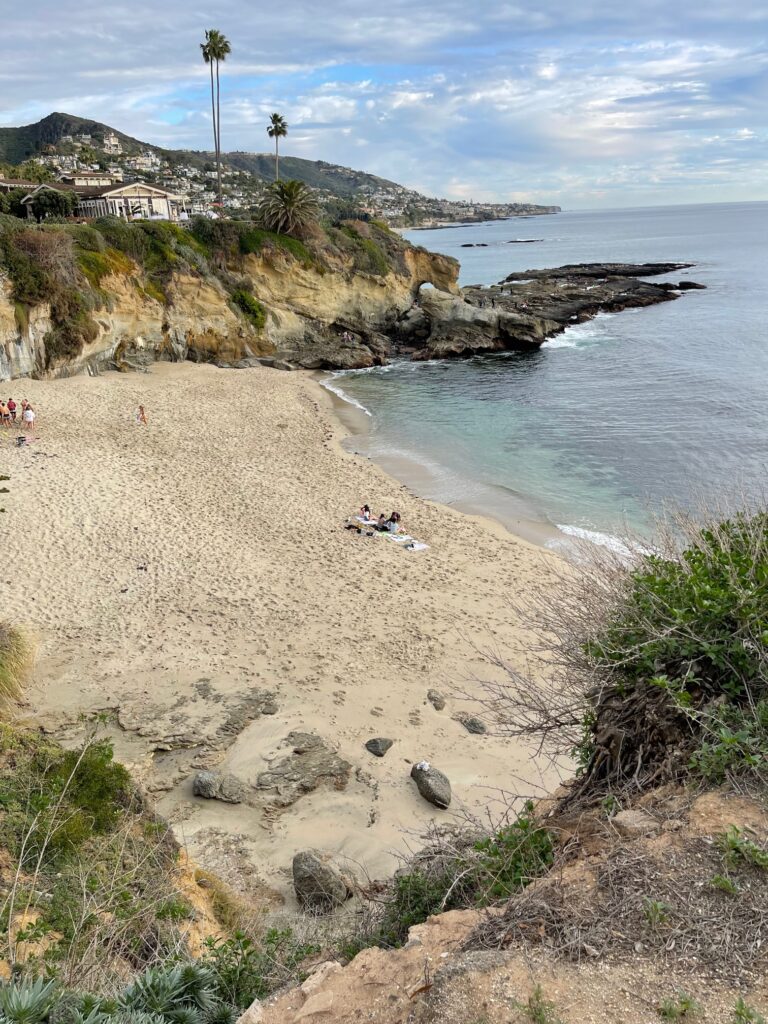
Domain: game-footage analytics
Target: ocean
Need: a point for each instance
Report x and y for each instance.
(612, 420)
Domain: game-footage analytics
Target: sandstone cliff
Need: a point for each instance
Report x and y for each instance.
(318, 306)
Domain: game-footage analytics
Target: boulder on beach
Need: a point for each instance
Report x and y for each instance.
(219, 786)
(378, 746)
(433, 785)
(436, 699)
(318, 884)
(473, 724)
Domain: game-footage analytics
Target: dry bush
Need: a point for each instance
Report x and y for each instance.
(53, 250)
(16, 656)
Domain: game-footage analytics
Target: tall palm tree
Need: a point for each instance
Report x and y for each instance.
(215, 50)
(277, 129)
(288, 207)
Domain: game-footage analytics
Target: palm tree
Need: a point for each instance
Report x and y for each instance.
(288, 207)
(277, 129)
(215, 50)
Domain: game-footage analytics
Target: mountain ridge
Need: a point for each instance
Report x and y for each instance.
(26, 142)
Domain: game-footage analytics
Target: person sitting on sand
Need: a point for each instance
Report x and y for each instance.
(365, 513)
(381, 523)
(393, 523)
(28, 416)
(141, 416)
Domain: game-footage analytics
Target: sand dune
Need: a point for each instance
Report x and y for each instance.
(178, 573)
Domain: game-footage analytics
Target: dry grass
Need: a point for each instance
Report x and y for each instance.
(657, 899)
(16, 656)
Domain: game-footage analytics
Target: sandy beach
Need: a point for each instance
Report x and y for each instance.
(191, 580)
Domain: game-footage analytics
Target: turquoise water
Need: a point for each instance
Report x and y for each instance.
(614, 418)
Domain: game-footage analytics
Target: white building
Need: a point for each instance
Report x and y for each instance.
(134, 201)
(112, 145)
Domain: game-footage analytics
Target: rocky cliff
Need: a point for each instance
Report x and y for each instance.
(316, 307)
(116, 294)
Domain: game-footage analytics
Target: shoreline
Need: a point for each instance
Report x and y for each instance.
(215, 609)
(409, 472)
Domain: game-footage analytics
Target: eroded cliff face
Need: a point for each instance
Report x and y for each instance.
(317, 315)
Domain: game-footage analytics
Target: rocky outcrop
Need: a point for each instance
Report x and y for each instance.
(309, 764)
(328, 315)
(319, 313)
(527, 308)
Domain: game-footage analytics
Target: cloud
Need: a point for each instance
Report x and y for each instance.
(579, 104)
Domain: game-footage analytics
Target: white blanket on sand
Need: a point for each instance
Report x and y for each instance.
(399, 538)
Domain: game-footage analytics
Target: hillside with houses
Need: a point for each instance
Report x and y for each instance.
(109, 172)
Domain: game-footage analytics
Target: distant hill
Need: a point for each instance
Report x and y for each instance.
(188, 171)
(19, 144)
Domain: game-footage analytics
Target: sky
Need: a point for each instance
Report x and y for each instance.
(588, 104)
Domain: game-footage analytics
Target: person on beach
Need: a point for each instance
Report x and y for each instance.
(12, 409)
(393, 523)
(381, 523)
(28, 416)
(365, 513)
(141, 416)
(5, 416)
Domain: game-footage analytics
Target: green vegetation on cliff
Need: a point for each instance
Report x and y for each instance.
(69, 265)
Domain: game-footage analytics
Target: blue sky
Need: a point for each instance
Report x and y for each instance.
(594, 104)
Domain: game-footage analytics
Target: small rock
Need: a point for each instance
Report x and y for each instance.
(432, 784)
(634, 823)
(436, 699)
(318, 885)
(378, 746)
(206, 785)
(473, 725)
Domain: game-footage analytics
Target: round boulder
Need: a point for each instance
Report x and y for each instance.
(432, 784)
(318, 885)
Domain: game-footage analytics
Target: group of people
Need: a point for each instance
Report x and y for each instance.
(9, 411)
(382, 524)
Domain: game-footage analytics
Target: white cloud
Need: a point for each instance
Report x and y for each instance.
(564, 102)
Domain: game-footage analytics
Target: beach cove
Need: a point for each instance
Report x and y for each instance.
(191, 584)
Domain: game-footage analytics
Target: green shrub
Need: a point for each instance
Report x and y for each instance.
(250, 307)
(245, 971)
(539, 1010)
(744, 1014)
(677, 1007)
(738, 850)
(513, 857)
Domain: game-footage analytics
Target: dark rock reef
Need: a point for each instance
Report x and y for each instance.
(527, 308)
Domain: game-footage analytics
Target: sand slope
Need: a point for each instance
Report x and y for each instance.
(175, 573)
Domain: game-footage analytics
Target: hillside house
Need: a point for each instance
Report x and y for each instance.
(134, 201)
(88, 179)
(112, 145)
